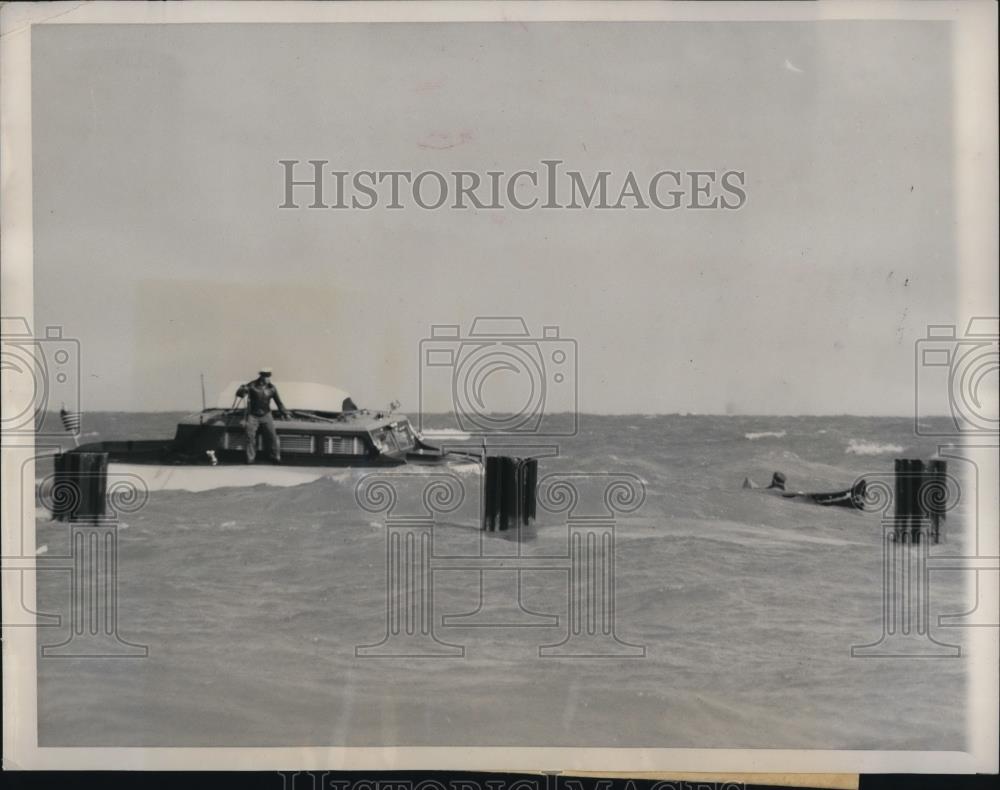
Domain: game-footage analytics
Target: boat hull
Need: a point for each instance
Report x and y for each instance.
(181, 477)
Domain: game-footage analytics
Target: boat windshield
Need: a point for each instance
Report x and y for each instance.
(384, 440)
(393, 438)
(404, 435)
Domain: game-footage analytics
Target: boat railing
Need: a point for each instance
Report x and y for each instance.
(298, 414)
(312, 416)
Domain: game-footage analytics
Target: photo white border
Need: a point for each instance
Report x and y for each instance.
(975, 70)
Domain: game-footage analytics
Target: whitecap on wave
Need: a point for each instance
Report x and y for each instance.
(446, 433)
(765, 434)
(471, 468)
(860, 447)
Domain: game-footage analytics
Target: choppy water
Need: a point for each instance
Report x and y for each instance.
(252, 602)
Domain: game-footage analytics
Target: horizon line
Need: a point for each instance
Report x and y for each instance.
(404, 412)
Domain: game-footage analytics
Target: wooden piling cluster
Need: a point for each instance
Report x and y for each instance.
(79, 490)
(509, 492)
(921, 499)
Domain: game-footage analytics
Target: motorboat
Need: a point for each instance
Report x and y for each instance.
(320, 429)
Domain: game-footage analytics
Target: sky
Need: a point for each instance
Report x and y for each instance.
(160, 246)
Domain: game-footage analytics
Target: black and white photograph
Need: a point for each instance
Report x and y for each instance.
(509, 386)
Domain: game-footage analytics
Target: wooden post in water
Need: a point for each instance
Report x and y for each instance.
(80, 487)
(910, 525)
(935, 495)
(921, 499)
(80, 496)
(509, 492)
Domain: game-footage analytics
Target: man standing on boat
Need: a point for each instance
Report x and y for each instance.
(259, 394)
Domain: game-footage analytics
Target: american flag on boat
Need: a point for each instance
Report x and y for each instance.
(70, 420)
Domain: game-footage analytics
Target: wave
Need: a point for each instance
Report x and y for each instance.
(765, 434)
(861, 447)
(446, 433)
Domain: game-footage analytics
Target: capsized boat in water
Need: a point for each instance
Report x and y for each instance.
(853, 497)
(321, 429)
